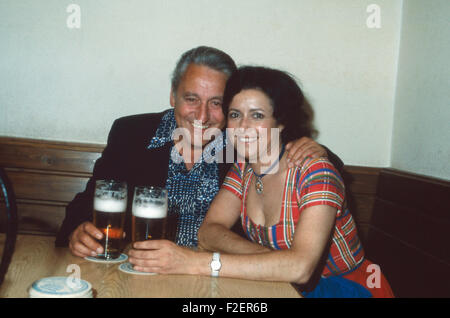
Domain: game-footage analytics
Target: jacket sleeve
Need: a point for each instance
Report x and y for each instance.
(106, 167)
(335, 160)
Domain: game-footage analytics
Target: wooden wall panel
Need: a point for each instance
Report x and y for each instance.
(361, 180)
(41, 186)
(361, 207)
(48, 155)
(361, 187)
(410, 271)
(46, 175)
(43, 218)
(408, 233)
(428, 195)
(413, 227)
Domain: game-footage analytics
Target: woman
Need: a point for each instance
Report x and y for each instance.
(299, 228)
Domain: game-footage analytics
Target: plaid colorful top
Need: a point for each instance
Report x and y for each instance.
(317, 182)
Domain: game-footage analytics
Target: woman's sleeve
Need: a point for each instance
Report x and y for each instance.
(233, 180)
(319, 183)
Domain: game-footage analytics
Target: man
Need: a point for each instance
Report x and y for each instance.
(140, 150)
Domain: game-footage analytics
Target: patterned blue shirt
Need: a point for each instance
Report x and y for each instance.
(190, 192)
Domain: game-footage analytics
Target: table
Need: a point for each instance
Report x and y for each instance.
(36, 257)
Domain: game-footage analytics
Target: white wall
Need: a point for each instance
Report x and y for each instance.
(421, 134)
(65, 84)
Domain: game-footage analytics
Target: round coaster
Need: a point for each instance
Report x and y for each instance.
(120, 259)
(60, 287)
(128, 268)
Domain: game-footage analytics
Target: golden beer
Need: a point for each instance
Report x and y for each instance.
(110, 204)
(149, 211)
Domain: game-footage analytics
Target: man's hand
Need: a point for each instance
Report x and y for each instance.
(299, 149)
(83, 240)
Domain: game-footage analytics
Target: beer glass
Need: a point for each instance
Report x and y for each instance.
(149, 213)
(110, 204)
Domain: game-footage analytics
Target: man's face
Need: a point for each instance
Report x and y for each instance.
(198, 101)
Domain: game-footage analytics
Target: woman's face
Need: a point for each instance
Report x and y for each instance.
(251, 125)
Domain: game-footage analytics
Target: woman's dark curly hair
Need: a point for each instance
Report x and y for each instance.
(290, 107)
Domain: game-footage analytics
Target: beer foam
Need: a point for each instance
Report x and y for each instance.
(150, 211)
(110, 205)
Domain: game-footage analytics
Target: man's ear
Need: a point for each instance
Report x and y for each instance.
(172, 98)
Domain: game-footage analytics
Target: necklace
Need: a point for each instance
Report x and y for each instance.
(259, 186)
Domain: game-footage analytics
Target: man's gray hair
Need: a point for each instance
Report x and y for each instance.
(202, 55)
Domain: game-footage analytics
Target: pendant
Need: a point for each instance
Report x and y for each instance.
(259, 185)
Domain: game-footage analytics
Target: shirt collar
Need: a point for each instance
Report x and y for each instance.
(164, 135)
(165, 130)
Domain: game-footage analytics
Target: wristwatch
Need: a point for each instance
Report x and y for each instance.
(215, 265)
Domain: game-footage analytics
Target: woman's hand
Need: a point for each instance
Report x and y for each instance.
(162, 256)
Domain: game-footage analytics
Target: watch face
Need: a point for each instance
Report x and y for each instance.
(215, 265)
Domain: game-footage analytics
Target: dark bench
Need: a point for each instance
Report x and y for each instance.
(409, 233)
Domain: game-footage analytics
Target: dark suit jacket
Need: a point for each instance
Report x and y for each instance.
(126, 158)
